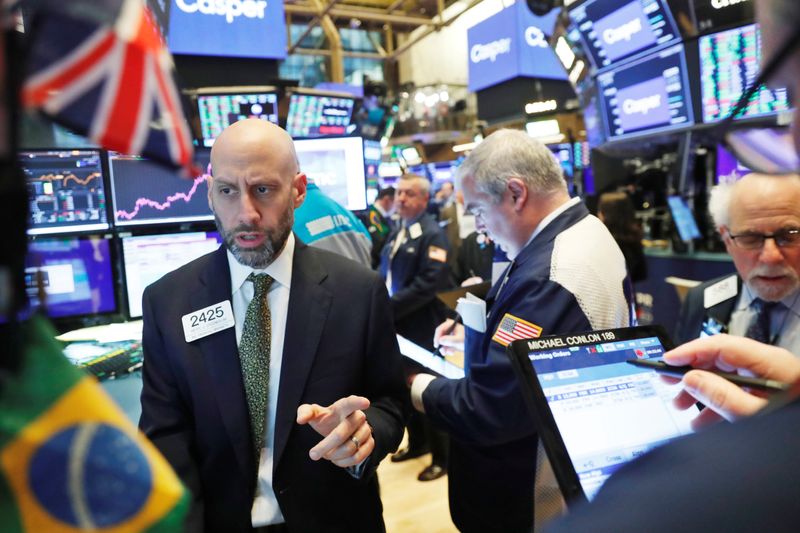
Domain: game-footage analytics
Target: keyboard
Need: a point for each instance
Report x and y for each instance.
(122, 360)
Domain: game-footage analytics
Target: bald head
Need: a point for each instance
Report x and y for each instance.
(255, 138)
(254, 189)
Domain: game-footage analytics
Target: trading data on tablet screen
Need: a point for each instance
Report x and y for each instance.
(608, 411)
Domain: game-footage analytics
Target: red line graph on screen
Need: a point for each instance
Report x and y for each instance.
(161, 206)
(69, 177)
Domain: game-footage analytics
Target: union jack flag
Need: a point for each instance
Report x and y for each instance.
(512, 328)
(112, 83)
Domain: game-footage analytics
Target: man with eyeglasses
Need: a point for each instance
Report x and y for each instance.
(739, 477)
(758, 218)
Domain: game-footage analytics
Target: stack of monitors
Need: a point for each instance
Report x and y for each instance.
(66, 190)
(316, 115)
(729, 64)
(146, 258)
(648, 95)
(336, 166)
(619, 30)
(219, 110)
(147, 193)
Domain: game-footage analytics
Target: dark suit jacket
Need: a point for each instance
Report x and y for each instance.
(731, 478)
(693, 314)
(416, 277)
(339, 341)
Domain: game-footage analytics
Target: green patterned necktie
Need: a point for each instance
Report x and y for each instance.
(254, 350)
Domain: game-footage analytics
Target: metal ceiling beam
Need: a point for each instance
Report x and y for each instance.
(437, 25)
(311, 25)
(327, 53)
(395, 5)
(361, 14)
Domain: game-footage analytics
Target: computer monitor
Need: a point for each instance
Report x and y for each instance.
(66, 190)
(617, 30)
(146, 258)
(729, 169)
(729, 64)
(220, 108)
(336, 165)
(648, 95)
(683, 218)
(318, 115)
(373, 152)
(76, 274)
(147, 193)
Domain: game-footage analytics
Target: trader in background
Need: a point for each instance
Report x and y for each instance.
(379, 224)
(414, 265)
(272, 376)
(567, 275)
(758, 219)
(322, 222)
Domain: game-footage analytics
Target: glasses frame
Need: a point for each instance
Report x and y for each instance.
(764, 236)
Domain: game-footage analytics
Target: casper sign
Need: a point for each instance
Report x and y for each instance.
(235, 28)
(510, 44)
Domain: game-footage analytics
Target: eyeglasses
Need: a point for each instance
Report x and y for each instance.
(767, 151)
(784, 238)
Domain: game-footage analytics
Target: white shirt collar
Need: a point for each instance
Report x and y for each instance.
(280, 269)
(381, 210)
(552, 216)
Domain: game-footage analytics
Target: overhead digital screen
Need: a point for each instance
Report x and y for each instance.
(614, 30)
(66, 191)
(147, 193)
(318, 116)
(218, 111)
(648, 95)
(729, 64)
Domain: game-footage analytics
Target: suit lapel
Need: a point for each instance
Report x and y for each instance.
(309, 304)
(222, 361)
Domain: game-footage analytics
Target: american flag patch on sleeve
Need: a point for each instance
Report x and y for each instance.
(512, 328)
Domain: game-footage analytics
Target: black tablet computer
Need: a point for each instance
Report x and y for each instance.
(594, 411)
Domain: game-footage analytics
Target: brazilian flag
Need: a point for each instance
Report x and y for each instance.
(69, 459)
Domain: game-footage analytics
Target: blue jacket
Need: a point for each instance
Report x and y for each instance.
(419, 269)
(570, 278)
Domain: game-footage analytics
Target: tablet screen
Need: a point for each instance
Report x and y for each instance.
(606, 411)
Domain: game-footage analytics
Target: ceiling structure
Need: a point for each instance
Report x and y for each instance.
(393, 18)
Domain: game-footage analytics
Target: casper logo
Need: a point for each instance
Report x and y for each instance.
(624, 32)
(490, 51)
(641, 105)
(230, 9)
(535, 37)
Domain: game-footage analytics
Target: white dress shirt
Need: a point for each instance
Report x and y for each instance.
(265, 510)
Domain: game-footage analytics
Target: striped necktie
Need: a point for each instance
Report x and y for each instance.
(254, 348)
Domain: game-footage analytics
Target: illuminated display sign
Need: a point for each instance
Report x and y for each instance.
(512, 43)
(234, 28)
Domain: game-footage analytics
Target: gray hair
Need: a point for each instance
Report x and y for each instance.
(719, 203)
(423, 182)
(721, 196)
(507, 154)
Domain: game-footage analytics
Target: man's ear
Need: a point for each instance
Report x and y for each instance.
(299, 186)
(209, 183)
(519, 192)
